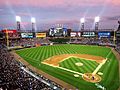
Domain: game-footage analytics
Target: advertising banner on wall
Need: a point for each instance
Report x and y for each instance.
(73, 34)
(40, 35)
(104, 34)
(118, 33)
(9, 31)
(88, 34)
(27, 35)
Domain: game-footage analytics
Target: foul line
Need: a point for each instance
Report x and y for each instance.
(71, 71)
(65, 69)
(108, 54)
(101, 64)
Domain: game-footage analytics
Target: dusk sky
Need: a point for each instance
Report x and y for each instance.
(67, 12)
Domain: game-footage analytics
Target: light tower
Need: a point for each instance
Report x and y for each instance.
(119, 26)
(82, 20)
(33, 21)
(97, 19)
(18, 20)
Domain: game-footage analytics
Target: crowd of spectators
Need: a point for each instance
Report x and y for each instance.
(93, 41)
(26, 42)
(42, 41)
(118, 48)
(13, 35)
(12, 77)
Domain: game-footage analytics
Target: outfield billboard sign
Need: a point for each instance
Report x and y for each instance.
(40, 35)
(9, 31)
(73, 34)
(88, 34)
(27, 35)
(104, 34)
(118, 33)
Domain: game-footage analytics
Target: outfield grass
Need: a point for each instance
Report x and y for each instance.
(110, 70)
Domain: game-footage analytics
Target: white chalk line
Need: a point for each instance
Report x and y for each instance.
(64, 69)
(101, 64)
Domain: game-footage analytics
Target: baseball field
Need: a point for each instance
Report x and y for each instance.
(83, 66)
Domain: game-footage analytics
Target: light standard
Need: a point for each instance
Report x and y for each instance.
(33, 21)
(82, 20)
(119, 25)
(18, 20)
(97, 19)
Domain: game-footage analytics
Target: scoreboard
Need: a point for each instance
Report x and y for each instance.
(58, 32)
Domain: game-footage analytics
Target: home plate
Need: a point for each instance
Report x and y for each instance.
(100, 73)
(79, 64)
(76, 75)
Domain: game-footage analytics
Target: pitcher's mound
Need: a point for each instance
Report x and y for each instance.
(91, 78)
(79, 64)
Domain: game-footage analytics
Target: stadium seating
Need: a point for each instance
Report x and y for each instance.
(14, 78)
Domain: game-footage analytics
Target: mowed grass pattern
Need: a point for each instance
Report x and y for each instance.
(110, 70)
(88, 66)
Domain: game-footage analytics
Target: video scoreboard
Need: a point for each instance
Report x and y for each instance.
(58, 32)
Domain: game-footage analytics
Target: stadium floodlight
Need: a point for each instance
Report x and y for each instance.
(82, 20)
(97, 19)
(18, 18)
(33, 20)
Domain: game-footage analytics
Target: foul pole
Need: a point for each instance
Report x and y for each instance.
(7, 38)
(114, 36)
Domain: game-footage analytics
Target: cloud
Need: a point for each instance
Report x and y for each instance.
(1, 10)
(58, 3)
(23, 14)
(58, 11)
(113, 18)
(115, 2)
